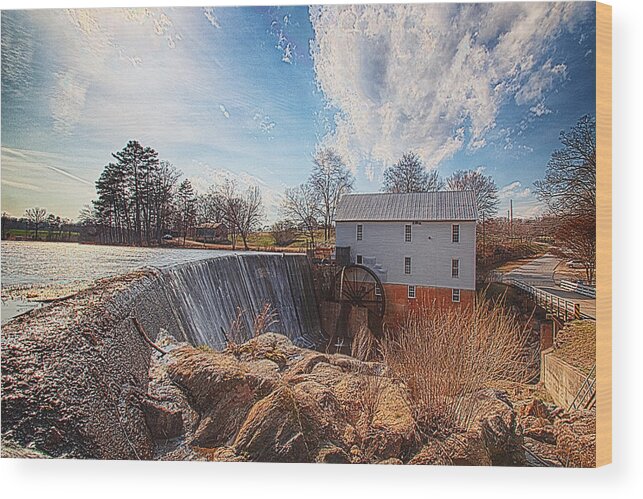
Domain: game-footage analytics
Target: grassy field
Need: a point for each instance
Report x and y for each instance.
(42, 235)
(266, 240)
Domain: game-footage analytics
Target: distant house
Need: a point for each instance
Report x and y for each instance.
(422, 246)
(211, 233)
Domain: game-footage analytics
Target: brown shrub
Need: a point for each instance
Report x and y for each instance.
(444, 355)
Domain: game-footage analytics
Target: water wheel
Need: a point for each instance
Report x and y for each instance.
(359, 286)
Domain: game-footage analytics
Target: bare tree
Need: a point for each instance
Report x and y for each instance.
(209, 207)
(569, 186)
(229, 204)
(330, 179)
(577, 236)
(251, 213)
(36, 217)
(242, 212)
(302, 205)
(484, 187)
(410, 175)
(569, 190)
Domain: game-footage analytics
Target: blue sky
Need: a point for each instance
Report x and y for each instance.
(250, 93)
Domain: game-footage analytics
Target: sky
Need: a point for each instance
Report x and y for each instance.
(250, 93)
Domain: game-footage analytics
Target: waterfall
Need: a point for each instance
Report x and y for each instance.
(208, 295)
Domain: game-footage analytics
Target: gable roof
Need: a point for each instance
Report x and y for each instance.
(420, 206)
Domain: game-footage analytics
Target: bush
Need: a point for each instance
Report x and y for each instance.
(284, 233)
(445, 355)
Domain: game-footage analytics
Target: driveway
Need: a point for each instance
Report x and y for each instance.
(540, 274)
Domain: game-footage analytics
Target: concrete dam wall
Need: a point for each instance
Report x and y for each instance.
(75, 373)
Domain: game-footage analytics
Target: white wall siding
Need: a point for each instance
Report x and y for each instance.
(431, 250)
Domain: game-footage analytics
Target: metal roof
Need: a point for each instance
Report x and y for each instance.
(420, 206)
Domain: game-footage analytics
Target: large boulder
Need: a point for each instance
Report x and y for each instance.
(269, 400)
(221, 389)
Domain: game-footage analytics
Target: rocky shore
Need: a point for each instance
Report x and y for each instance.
(269, 400)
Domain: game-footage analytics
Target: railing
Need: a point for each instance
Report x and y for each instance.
(578, 288)
(561, 308)
(586, 396)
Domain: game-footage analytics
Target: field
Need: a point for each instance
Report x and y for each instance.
(43, 235)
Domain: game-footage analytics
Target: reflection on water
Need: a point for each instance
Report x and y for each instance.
(26, 264)
(42, 263)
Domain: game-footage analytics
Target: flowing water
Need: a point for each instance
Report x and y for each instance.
(218, 298)
(210, 293)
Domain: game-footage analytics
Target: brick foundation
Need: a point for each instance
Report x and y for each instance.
(398, 303)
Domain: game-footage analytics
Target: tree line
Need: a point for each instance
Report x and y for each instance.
(141, 199)
(39, 224)
(569, 191)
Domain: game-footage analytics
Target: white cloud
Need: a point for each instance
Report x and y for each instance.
(540, 109)
(284, 44)
(208, 12)
(540, 82)
(224, 111)
(431, 78)
(525, 203)
(67, 101)
(264, 122)
(514, 190)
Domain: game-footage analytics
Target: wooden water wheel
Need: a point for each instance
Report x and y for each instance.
(358, 286)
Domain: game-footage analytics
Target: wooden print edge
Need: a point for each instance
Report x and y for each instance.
(604, 234)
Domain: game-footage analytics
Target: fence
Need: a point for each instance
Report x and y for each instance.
(561, 308)
(578, 288)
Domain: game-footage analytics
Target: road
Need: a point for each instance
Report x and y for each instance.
(540, 274)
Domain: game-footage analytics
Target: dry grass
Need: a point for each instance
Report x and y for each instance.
(364, 345)
(445, 355)
(265, 319)
(576, 344)
(263, 322)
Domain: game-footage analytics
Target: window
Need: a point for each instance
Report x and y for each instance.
(455, 268)
(411, 293)
(360, 231)
(407, 264)
(455, 295)
(407, 233)
(455, 233)
(359, 259)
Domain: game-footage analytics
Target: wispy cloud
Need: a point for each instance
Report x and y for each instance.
(21, 185)
(432, 78)
(208, 12)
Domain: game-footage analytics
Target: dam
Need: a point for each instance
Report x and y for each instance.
(207, 296)
(84, 360)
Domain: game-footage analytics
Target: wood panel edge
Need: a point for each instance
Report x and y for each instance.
(604, 234)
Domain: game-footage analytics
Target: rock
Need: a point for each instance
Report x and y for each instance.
(391, 460)
(536, 408)
(463, 449)
(576, 439)
(332, 455)
(275, 429)
(221, 454)
(162, 422)
(494, 416)
(538, 429)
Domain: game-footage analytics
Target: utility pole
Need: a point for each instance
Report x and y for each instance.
(511, 220)
(484, 247)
